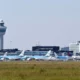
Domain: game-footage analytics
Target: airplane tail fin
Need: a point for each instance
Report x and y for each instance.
(49, 53)
(5, 54)
(55, 54)
(63, 54)
(22, 53)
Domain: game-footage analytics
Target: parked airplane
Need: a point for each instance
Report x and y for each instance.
(3, 57)
(75, 57)
(19, 57)
(46, 57)
(62, 57)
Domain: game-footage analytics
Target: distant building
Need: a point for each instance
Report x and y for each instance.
(45, 48)
(75, 47)
(65, 48)
(9, 50)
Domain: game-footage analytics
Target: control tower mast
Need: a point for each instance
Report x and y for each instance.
(2, 32)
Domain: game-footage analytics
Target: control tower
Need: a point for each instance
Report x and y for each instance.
(2, 32)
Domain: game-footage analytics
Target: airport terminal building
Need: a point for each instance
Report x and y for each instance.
(45, 48)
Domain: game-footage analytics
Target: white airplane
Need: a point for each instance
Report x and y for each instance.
(46, 57)
(62, 57)
(19, 57)
(75, 57)
(2, 58)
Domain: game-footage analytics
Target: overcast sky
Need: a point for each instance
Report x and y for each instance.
(43, 22)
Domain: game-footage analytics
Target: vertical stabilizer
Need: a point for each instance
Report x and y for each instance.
(49, 53)
(55, 54)
(22, 53)
(5, 54)
(63, 54)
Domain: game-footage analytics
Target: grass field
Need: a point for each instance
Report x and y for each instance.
(39, 70)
